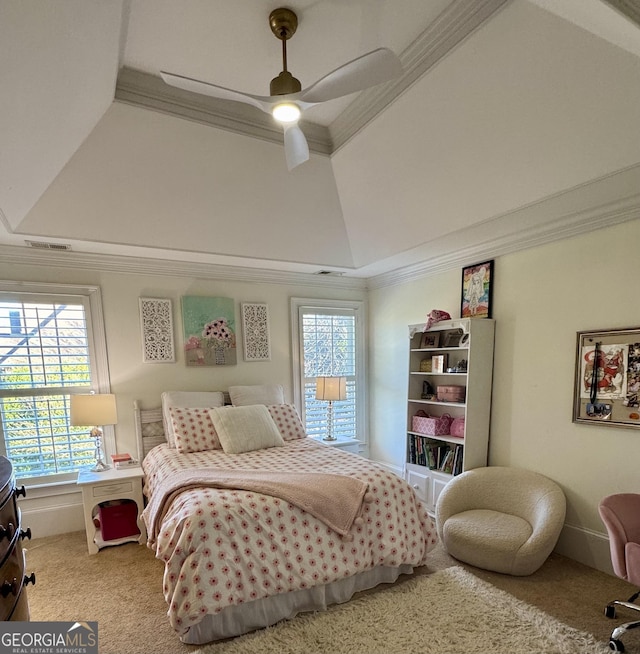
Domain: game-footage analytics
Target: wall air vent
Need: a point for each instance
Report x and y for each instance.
(331, 273)
(43, 245)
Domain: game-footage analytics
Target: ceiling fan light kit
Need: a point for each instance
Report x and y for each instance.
(287, 100)
(287, 112)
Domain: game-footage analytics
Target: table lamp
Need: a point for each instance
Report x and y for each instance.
(330, 389)
(97, 410)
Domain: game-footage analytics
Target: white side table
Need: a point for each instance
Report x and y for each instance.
(105, 486)
(347, 444)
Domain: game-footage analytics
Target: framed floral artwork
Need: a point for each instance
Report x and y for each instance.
(477, 290)
(209, 331)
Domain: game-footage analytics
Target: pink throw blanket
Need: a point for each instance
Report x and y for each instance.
(334, 499)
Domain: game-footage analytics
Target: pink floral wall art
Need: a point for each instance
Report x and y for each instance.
(209, 331)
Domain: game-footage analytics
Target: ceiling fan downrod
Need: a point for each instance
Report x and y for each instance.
(284, 23)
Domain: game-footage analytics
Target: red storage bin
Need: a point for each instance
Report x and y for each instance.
(118, 519)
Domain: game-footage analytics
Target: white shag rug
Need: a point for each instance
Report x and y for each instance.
(447, 612)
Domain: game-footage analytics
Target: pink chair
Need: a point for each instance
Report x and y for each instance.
(621, 516)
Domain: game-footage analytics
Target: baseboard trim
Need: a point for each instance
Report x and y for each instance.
(61, 517)
(585, 546)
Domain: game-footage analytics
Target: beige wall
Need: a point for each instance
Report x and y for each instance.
(542, 297)
(131, 379)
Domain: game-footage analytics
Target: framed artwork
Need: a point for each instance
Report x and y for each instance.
(156, 323)
(255, 332)
(477, 290)
(209, 331)
(607, 378)
(430, 339)
(452, 339)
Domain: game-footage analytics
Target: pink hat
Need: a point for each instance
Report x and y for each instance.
(436, 316)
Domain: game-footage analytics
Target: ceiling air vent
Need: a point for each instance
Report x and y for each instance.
(43, 245)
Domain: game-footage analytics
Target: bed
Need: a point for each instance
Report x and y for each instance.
(245, 546)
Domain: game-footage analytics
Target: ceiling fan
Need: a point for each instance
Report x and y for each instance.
(287, 100)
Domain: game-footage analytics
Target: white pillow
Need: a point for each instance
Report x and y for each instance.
(245, 428)
(256, 394)
(186, 400)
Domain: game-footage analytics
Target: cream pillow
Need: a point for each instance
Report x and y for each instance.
(186, 400)
(256, 394)
(245, 428)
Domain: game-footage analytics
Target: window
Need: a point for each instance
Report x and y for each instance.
(328, 341)
(50, 348)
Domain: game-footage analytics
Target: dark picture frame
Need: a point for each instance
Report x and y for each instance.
(430, 340)
(607, 378)
(477, 290)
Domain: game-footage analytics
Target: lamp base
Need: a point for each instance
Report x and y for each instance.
(329, 438)
(100, 466)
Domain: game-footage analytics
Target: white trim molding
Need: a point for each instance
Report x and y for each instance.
(460, 19)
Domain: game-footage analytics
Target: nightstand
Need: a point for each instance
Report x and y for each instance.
(347, 444)
(107, 486)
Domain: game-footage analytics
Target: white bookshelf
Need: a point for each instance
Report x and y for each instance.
(475, 347)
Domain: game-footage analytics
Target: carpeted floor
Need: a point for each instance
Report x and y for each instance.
(121, 589)
(425, 615)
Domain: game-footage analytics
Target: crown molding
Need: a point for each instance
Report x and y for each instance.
(629, 8)
(483, 248)
(130, 265)
(454, 24)
(141, 89)
(457, 22)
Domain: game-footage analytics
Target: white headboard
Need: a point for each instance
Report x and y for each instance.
(149, 429)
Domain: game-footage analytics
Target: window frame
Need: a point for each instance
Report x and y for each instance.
(91, 298)
(358, 307)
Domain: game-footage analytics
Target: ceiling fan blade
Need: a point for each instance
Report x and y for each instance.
(204, 88)
(296, 148)
(368, 70)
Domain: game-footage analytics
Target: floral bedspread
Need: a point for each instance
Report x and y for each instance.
(224, 547)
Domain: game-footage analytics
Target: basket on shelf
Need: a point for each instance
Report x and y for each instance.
(457, 427)
(452, 393)
(431, 425)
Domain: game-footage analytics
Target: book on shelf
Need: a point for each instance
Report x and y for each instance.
(444, 457)
(120, 456)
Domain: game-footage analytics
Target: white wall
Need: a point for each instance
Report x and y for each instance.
(542, 297)
(131, 379)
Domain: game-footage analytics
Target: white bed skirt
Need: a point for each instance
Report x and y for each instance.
(243, 618)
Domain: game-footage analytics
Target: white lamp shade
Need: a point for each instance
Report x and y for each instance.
(93, 410)
(331, 388)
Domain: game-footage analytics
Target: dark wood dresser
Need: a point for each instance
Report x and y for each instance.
(13, 595)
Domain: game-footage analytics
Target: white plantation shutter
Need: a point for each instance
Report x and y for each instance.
(330, 344)
(46, 355)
